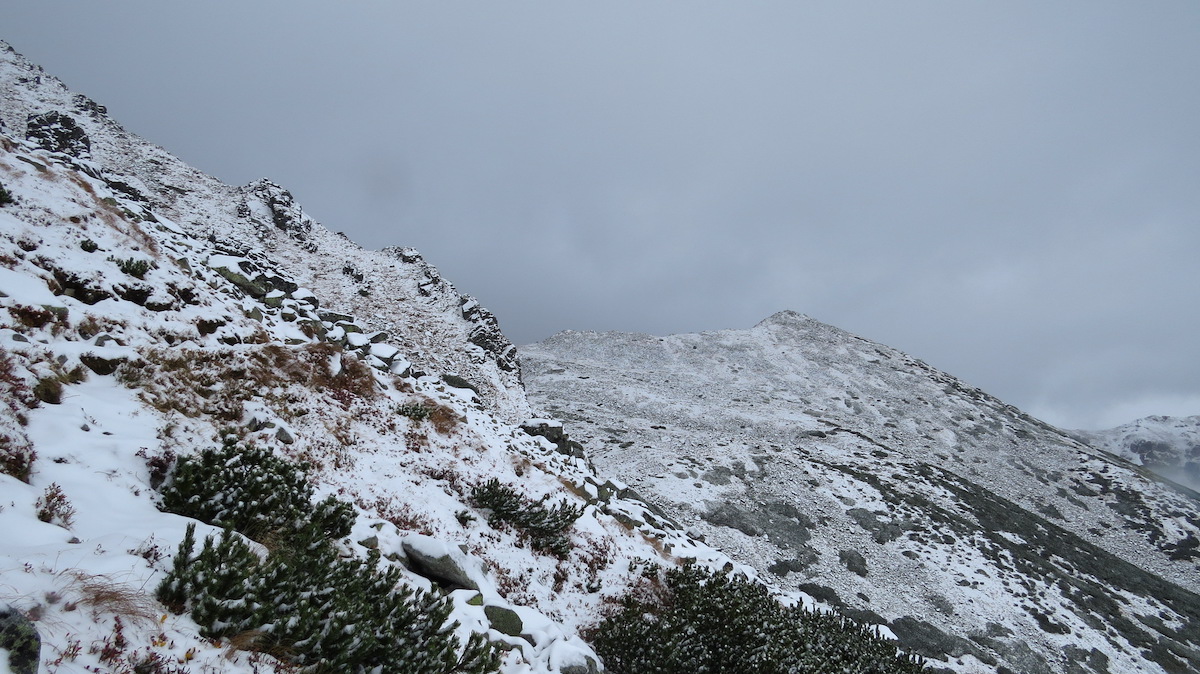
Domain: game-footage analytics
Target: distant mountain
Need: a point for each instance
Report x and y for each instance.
(985, 539)
(1169, 446)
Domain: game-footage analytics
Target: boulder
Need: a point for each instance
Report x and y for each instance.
(99, 364)
(238, 279)
(504, 620)
(437, 562)
(458, 382)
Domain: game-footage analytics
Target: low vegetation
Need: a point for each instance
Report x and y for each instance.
(544, 527)
(302, 601)
(690, 620)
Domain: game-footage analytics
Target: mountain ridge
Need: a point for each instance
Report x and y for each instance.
(841, 466)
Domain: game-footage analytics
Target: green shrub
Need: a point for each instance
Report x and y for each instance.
(544, 527)
(89, 246)
(133, 266)
(6, 197)
(304, 602)
(414, 411)
(693, 620)
(249, 489)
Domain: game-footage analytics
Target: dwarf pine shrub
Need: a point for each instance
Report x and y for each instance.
(545, 527)
(414, 411)
(695, 620)
(326, 613)
(133, 266)
(249, 489)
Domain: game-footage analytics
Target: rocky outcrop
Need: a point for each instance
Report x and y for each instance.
(58, 132)
(265, 201)
(486, 334)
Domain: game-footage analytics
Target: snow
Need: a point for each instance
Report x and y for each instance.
(20, 287)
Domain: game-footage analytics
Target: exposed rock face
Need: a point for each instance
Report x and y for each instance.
(57, 132)
(890, 491)
(486, 334)
(265, 198)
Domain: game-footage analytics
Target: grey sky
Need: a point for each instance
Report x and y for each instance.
(1010, 191)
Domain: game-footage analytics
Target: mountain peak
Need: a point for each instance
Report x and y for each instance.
(785, 317)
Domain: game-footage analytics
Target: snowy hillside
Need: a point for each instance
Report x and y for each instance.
(233, 441)
(985, 539)
(1169, 446)
(152, 318)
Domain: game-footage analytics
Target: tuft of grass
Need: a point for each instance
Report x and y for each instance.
(106, 596)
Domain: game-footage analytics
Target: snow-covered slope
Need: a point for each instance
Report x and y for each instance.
(1169, 446)
(895, 492)
(149, 312)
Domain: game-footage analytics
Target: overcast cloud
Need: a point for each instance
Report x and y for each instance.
(1009, 191)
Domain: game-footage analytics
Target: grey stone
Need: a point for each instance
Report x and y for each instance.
(99, 364)
(335, 317)
(588, 666)
(247, 286)
(504, 620)
(458, 382)
(106, 338)
(443, 569)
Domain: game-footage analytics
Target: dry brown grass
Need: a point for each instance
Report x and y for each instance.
(217, 382)
(106, 596)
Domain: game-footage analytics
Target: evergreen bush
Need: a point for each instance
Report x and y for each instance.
(133, 266)
(301, 602)
(322, 612)
(545, 527)
(693, 620)
(414, 411)
(6, 197)
(249, 489)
